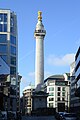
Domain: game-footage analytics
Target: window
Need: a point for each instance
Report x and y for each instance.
(51, 94)
(59, 88)
(58, 99)
(1, 29)
(78, 82)
(51, 99)
(13, 40)
(5, 17)
(51, 89)
(1, 17)
(4, 57)
(3, 38)
(3, 24)
(12, 20)
(63, 99)
(61, 83)
(13, 60)
(12, 70)
(12, 24)
(51, 105)
(63, 89)
(58, 93)
(13, 50)
(63, 93)
(3, 48)
(5, 28)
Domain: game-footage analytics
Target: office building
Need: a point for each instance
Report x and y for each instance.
(58, 87)
(77, 79)
(9, 51)
(74, 100)
(77, 72)
(4, 82)
(27, 100)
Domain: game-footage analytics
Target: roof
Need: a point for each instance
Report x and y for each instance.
(39, 93)
(28, 87)
(55, 77)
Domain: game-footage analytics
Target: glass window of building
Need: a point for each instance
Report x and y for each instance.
(63, 93)
(63, 99)
(1, 17)
(13, 50)
(51, 89)
(13, 60)
(5, 17)
(1, 28)
(51, 105)
(11, 29)
(59, 89)
(13, 40)
(3, 38)
(5, 28)
(12, 24)
(58, 99)
(12, 20)
(3, 48)
(58, 94)
(51, 99)
(3, 24)
(51, 94)
(78, 83)
(63, 88)
(12, 70)
(4, 57)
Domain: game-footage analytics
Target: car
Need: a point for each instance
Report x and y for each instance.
(69, 116)
(58, 115)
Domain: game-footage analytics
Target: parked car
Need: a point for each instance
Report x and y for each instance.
(58, 115)
(69, 116)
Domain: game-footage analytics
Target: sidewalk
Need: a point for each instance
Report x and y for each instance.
(38, 118)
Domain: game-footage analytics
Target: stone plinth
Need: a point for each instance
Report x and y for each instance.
(39, 100)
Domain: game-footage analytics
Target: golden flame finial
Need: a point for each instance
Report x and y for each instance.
(39, 15)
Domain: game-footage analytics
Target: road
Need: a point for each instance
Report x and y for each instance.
(38, 118)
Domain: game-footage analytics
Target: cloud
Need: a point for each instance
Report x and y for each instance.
(61, 60)
(31, 74)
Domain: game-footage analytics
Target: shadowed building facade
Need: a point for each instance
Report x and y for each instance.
(9, 52)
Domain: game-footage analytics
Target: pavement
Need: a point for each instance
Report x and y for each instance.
(38, 118)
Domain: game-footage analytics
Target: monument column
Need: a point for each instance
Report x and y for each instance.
(39, 35)
(39, 97)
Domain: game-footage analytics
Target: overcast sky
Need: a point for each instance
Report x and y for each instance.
(61, 19)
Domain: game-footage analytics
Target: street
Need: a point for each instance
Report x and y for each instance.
(38, 118)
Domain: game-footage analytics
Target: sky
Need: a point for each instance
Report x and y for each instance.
(61, 19)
